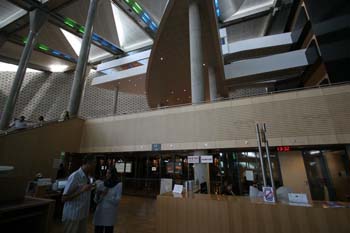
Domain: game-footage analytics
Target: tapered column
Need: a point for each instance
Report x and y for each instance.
(212, 83)
(37, 18)
(196, 53)
(80, 71)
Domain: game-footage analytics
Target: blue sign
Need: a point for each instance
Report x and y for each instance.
(156, 147)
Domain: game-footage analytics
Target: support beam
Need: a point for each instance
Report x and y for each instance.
(80, 72)
(37, 19)
(196, 53)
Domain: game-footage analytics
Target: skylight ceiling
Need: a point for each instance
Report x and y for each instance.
(9, 13)
(131, 36)
(103, 23)
(96, 53)
(6, 67)
(42, 60)
(236, 9)
(155, 8)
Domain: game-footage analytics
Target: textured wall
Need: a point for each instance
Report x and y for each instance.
(309, 117)
(48, 94)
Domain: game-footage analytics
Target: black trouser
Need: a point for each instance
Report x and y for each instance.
(103, 229)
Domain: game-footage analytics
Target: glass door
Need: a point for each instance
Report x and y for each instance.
(318, 177)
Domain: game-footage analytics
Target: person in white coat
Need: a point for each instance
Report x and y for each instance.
(107, 197)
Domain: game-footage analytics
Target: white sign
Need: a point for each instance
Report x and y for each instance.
(154, 169)
(193, 159)
(300, 198)
(128, 168)
(249, 174)
(165, 185)
(206, 159)
(178, 188)
(119, 167)
(268, 194)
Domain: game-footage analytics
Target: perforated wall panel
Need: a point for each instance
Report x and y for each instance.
(48, 95)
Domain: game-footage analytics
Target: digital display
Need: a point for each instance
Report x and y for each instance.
(283, 148)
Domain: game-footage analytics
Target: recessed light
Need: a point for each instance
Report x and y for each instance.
(185, 90)
(129, 80)
(166, 100)
(135, 85)
(172, 92)
(203, 64)
(161, 58)
(178, 99)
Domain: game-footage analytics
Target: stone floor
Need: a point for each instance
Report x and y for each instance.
(136, 215)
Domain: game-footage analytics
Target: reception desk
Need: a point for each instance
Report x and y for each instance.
(199, 213)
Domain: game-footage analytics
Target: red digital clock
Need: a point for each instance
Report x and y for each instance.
(283, 148)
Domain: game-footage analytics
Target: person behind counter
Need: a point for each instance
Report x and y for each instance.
(61, 172)
(76, 197)
(227, 189)
(107, 198)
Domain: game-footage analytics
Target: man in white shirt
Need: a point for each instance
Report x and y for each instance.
(76, 197)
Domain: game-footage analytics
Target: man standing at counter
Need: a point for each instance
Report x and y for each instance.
(76, 198)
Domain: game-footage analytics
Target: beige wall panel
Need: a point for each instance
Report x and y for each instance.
(306, 117)
(293, 172)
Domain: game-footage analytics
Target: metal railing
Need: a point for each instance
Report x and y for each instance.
(224, 99)
(30, 126)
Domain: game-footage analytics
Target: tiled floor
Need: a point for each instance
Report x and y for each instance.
(136, 215)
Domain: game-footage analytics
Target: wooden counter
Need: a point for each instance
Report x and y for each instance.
(198, 213)
(29, 215)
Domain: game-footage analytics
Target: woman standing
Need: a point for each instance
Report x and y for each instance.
(107, 198)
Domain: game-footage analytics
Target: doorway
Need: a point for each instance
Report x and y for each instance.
(320, 184)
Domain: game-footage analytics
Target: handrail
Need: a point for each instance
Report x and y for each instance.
(11, 131)
(225, 99)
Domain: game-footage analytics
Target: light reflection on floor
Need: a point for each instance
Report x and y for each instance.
(136, 215)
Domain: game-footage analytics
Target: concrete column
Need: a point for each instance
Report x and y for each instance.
(37, 18)
(81, 68)
(212, 83)
(196, 53)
